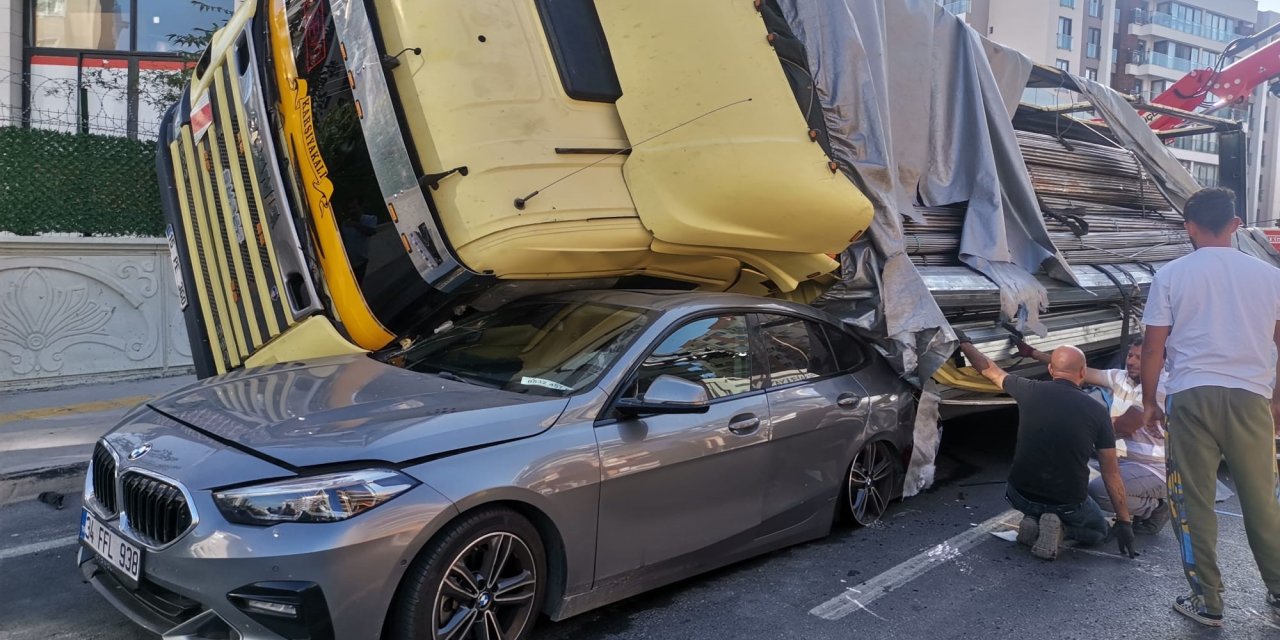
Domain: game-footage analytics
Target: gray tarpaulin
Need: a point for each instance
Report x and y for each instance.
(918, 108)
(1135, 135)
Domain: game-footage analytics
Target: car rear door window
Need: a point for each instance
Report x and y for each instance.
(849, 353)
(712, 351)
(796, 349)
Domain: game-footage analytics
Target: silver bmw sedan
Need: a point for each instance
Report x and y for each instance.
(552, 456)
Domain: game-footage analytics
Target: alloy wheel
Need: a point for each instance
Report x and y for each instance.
(871, 478)
(488, 592)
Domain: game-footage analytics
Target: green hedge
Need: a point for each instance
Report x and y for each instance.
(91, 184)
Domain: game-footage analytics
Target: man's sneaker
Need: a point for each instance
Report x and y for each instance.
(1028, 531)
(1193, 607)
(1153, 523)
(1050, 538)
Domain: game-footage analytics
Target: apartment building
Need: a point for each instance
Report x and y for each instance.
(1170, 39)
(1073, 35)
(1264, 165)
(1145, 46)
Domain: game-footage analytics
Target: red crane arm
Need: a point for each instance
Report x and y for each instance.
(1232, 85)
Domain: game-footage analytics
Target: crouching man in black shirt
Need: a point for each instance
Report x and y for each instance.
(1059, 428)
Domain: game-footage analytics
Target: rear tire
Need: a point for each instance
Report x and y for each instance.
(869, 485)
(483, 576)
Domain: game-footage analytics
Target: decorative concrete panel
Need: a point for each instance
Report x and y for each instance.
(74, 310)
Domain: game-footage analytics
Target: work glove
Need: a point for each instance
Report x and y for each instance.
(1024, 350)
(1122, 532)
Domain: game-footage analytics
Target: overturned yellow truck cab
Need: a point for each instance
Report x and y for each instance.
(341, 174)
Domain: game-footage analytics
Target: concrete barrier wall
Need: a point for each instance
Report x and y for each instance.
(75, 310)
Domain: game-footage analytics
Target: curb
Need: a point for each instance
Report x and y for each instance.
(27, 485)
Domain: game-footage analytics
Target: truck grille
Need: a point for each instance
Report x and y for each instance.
(104, 478)
(157, 511)
(222, 194)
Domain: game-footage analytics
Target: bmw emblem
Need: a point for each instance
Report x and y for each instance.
(484, 601)
(140, 451)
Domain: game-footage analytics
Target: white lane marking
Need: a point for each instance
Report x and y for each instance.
(857, 598)
(37, 547)
(1101, 554)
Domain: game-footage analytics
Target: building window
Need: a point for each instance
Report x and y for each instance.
(1070, 4)
(1095, 8)
(1137, 88)
(1093, 49)
(110, 66)
(101, 25)
(1205, 143)
(1064, 33)
(956, 6)
(1062, 64)
(1091, 74)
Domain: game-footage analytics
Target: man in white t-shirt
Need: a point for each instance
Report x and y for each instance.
(1216, 314)
(1142, 466)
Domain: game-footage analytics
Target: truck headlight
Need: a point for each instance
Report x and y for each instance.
(327, 498)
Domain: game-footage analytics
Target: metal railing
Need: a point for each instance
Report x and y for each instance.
(1161, 60)
(1142, 16)
(1093, 50)
(1064, 41)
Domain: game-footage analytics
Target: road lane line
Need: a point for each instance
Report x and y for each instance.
(37, 547)
(45, 413)
(859, 597)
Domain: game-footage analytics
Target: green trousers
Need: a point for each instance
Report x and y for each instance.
(1206, 425)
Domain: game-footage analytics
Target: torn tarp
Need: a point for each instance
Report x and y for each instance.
(1135, 135)
(918, 109)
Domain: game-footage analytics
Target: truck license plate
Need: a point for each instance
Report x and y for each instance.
(177, 268)
(110, 547)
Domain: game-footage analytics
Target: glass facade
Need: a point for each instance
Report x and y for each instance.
(1192, 20)
(110, 66)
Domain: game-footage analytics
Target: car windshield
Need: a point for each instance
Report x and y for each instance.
(547, 348)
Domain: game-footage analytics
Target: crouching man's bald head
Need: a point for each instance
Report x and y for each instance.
(1067, 363)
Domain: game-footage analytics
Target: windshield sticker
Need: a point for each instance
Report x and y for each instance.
(539, 382)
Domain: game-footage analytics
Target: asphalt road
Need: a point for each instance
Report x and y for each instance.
(923, 573)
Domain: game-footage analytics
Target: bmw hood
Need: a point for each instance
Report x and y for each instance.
(353, 408)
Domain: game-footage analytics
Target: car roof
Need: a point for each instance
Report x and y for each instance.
(667, 300)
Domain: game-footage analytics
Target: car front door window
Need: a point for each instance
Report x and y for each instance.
(712, 351)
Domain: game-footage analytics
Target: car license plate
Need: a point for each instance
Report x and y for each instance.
(119, 553)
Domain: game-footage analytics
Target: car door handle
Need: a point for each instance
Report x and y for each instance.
(848, 400)
(744, 423)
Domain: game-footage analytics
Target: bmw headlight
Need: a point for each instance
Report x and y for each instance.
(327, 498)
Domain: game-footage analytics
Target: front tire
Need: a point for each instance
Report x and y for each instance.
(482, 578)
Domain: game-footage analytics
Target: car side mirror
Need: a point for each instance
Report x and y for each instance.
(668, 394)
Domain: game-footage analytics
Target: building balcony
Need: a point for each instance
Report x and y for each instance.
(1157, 66)
(1158, 19)
(1064, 41)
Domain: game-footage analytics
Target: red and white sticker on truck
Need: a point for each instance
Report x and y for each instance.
(201, 116)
